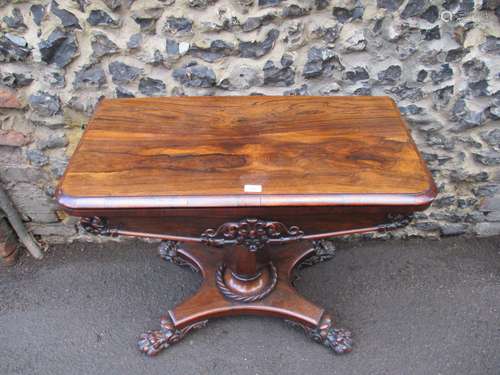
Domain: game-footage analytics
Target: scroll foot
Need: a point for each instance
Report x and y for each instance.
(153, 342)
(168, 251)
(323, 250)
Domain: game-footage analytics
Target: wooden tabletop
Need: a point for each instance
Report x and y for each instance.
(245, 151)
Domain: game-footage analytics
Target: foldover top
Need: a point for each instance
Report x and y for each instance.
(245, 151)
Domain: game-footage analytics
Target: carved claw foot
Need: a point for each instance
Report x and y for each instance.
(153, 342)
(168, 251)
(323, 250)
(338, 340)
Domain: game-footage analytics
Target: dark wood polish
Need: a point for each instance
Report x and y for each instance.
(246, 183)
(202, 151)
(284, 302)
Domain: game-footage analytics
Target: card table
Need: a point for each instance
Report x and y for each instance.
(243, 190)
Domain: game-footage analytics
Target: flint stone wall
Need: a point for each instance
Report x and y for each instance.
(437, 59)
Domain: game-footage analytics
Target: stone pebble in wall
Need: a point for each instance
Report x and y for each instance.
(320, 60)
(122, 73)
(195, 75)
(38, 13)
(152, 87)
(146, 18)
(102, 46)
(59, 57)
(16, 80)
(13, 48)
(279, 75)
(254, 23)
(241, 78)
(257, 49)
(90, 76)
(178, 25)
(68, 19)
(45, 104)
(59, 48)
(216, 50)
(16, 20)
(99, 17)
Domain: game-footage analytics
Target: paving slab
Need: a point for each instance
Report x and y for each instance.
(414, 307)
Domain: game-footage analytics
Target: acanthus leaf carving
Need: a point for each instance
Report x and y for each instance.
(251, 233)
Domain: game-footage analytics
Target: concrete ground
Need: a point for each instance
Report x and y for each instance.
(414, 307)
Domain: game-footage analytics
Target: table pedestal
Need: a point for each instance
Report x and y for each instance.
(247, 268)
(238, 280)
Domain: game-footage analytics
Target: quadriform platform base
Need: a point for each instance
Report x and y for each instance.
(215, 298)
(243, 190)
(247, 277)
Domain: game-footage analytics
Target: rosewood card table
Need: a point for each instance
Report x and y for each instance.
(243, 190)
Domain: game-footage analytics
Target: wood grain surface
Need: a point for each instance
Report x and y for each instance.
(202, 151)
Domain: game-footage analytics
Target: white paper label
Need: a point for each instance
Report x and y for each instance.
(253, 188)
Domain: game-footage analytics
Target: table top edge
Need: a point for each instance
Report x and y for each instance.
(68, 202)
(386, 98)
